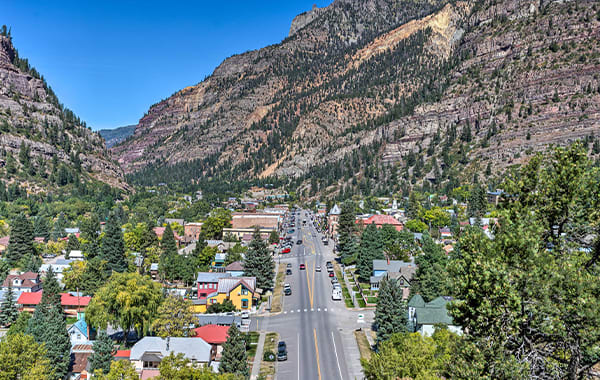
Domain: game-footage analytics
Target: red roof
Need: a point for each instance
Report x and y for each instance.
(212, 334)
(66, 299)
(122, 354)
(380, 220)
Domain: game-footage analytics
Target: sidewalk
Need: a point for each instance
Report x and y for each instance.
(258, 356)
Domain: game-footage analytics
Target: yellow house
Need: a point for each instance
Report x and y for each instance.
(241, 291)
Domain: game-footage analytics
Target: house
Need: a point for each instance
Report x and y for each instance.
(235, 269)
(76, 255)
(72, 305)
(379, 220)
(80, 333)
(181, 222)
(193, 230)
(241, 291)
(333, 220)
(493, 197)
(74, 231)
(79, 366)
(154, 270)
(58, 267)
(122, 355)
(401, 271)
(218, 319)
(445, 233)
(4, 243)
(24, 282)
(159, 231)
(214, 335)
(243, 223)
(423, 316)
(208, 282)
(148, 352)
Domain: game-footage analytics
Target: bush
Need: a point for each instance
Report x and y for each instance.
(269, 356)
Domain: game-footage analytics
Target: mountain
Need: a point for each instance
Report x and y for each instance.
(117, 135)
(378, 95)
(44, 145)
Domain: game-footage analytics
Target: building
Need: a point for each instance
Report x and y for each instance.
(80, 332)
(215, 335)
(241, 291)
(235, 269)
(423, 316)
(71, 304)
(208, 282)
(181, 222)
(58, 267)
(193, 230)
(148, 352)
(493, 197)
(79, 367)
(159, 231)
(401, 271)
(25, 282)
(445, 233)
(333, 220)
(244, 223)
(380, 220)
(218, 319)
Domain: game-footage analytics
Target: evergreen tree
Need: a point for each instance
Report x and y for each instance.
(391, 313)
(48, 326)
(477, 204)
(58, 229)
(170, 261)
(234, 358)
(21, 240)
(259, 262)
(20, 325)
(113, 246)
(346, 230)
(431, 277)
(41, 228)
(72, 244)
(103, 353)
(370, 248)
(8, 309)
(90, 228)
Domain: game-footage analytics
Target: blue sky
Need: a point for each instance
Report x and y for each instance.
(109, 61)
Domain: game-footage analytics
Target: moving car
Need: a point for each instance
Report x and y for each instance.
(288, 272)
(318, 268)
(299, 241)
(281, 351)
(302, 266)
(289, 265)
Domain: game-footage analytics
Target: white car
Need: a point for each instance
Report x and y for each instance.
(336, 294)
(245, 315)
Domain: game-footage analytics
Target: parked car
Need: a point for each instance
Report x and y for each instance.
(336, 294)
(334, 280)
(286, 250)
(281, 351)
(287, 291)
(289, 265)
(288, 272)
(331, 274)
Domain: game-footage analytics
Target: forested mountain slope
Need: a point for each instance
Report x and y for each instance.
(43, 145)
(373, 96)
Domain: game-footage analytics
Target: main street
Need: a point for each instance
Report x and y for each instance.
(317, 330)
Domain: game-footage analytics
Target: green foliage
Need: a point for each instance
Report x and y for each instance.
(21, 240)
(391, 313)
(41, 227)
(8, 308)
(529, 297)
(102, 356)
(346, 231)
(213, 225)
(274, 237)
(174, 318)
(259, 262)
(86, 276)
(177, 367)
(370, 248)
(223, 307)
(21, 357)
(58, 228)
(119, 370)
(113, 247)
(20, 325)
(431, 278)
(128, 300)
(234, 358)
(477, 205)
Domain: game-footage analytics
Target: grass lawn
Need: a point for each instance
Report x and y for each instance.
(372, 299)
(364, 286)
(277, 304)
(363, 344)
(267, 369)
(355, 288)
(345, 292)
(252, 343)
(361, 302)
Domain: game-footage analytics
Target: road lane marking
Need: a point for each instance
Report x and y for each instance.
(291, 311)
(337, 359)
(310, 295)
(298, 310)
(317, 352)
(325, 309)
(318, 309)
(312, 309)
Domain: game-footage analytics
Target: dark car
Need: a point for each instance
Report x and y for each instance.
(287, 291)
(289, 265)
(288, 272)
(281, 351)
(299, 241)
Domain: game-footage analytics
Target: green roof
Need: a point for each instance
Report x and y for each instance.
(434, 312)
(416, 301)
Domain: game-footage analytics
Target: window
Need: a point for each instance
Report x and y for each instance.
(78, 336)
(244, 291)
(244, 303)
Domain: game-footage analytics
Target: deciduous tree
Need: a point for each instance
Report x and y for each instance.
(174, 318)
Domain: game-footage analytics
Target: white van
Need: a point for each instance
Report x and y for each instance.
(336, 294)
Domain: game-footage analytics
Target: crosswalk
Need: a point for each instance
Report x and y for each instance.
(311, 310)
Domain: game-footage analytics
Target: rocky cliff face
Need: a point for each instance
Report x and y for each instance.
(389, 79)
(32, 119)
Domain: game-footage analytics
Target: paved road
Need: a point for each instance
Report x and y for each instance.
(315, 328)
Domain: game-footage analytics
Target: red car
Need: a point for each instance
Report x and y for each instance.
(286, 250)
(331, 274)
(302, 266)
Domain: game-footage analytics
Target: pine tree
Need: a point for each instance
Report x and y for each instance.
(41, 228)
(169, 258)
(103, 353)
(346, 230)
(370, 248)
(58, 229)
(89, 228)
(21, 240)
(72, 244)
(259, 262)
(48, 326)
(8, 309)
(390, 313)
(113, 246)
(234, 358)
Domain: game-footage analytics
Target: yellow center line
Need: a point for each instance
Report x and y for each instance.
(309, 287)
(317, 351)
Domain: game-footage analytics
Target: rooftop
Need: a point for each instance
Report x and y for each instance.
(191, 348)
(211, 276)
(212, 334)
